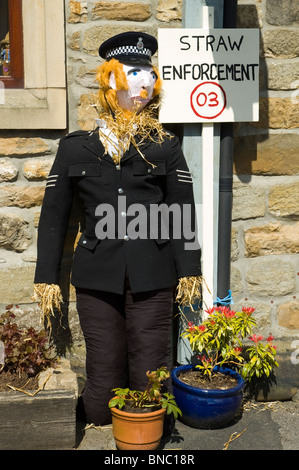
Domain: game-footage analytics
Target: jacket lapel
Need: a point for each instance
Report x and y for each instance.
(95, 146)
(132, 152)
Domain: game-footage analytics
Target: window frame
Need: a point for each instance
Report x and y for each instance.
(42, 102)
(16, 79)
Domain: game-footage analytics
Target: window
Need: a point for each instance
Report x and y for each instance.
(11, 44)
(40, 103)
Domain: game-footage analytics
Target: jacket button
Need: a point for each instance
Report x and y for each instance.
(117, 167)
(83, 172)
(120, 190)
(84, 242)
(123, 214)
(126, 238)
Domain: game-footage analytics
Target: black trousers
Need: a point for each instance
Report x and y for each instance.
(125, 335)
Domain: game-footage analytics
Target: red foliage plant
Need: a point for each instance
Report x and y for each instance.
(25, 350)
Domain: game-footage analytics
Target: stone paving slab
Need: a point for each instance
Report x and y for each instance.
(259, 426)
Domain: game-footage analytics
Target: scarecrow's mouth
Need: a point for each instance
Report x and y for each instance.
(140, 99)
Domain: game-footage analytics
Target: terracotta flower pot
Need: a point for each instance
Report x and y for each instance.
(137, 431)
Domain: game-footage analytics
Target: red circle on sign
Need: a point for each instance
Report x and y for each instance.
(208, 96)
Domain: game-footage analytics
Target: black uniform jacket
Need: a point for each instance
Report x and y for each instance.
(125, 243)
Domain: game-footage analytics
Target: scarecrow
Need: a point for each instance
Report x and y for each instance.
(126, 268)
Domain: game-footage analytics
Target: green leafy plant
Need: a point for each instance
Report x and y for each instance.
(25, 350)
(261, 358)
(150, 397)
(219, 341)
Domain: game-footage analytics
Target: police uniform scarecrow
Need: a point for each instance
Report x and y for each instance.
(125, 268)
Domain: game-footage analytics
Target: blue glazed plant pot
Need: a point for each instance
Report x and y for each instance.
(207, 409)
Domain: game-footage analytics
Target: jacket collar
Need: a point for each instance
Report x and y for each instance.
(94, 145)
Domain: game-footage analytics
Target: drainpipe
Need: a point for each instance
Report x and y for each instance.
(225, 186)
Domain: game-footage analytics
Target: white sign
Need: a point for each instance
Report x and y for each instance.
(209, 75)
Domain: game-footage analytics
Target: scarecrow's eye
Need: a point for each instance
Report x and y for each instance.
(134, 72)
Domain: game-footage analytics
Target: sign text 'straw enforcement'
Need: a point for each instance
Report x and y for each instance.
(209, 75)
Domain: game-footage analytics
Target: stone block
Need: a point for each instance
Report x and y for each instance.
(284, 200)
(14, 233)
(272, 239)
(283, 75)
(46, 421)
(60, 378)
(248, 201)
(288, 315)
(37, 169)
(78, 12)
(74, 41)
(234, 244)
(278, 113)
(21, 196)
(36, 217)
(270, 277)
(19, 146)
(284, 12)
(249, 16)
(236, 281)
(87, 113)
(169, 10)
(98, 438)
(121, 11)
(281, 42)
(92, 38)
(8, 171)
(16, 285)
(274, 154)
(87, 77)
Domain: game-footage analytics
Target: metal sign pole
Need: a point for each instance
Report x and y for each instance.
(201, 144)
(210, 178)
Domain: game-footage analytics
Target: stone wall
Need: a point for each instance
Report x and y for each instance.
(265, 241)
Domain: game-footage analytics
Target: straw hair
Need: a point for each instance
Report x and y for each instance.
(49, 297)
(107, 97)
(189, 291)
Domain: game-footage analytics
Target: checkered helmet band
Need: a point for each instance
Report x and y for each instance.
(127, 50)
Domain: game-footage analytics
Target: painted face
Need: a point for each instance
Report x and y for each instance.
(141, 80)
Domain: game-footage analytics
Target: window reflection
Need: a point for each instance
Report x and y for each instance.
(4, 39)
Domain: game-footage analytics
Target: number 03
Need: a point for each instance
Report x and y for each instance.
(211, 98)
(208, 100)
